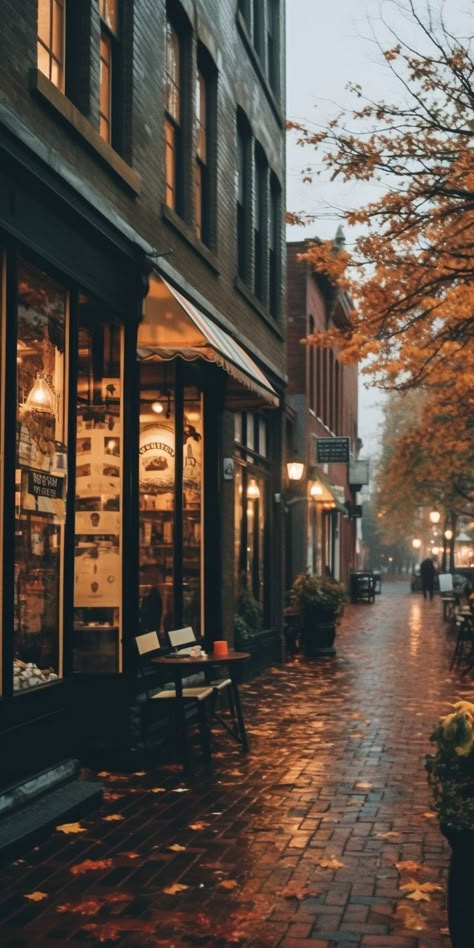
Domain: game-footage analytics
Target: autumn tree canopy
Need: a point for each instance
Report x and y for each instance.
(411, 272)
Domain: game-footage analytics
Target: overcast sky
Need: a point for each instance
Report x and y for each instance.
(330, 44)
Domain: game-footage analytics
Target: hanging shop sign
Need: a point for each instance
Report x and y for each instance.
(333, 450)
(355, 511)
(358, 473)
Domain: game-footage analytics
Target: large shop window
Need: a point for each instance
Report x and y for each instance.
(250, 505)
(170, 472)
(99, 456)
(40, 478)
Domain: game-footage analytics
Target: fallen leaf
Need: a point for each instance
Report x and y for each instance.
(139, 773)
(228, 884)
(177, 848)
(103, 773)
(198, 826)
(331, 863)
(130, 855)
(390, 835)
(113, 818)
(110, 797)
(175, 888)
(429, 816)
(36, 896)
(89, 865)
(290, 892)
(419, 896)
(71, 828)
(158, 790)
(418, 892)
(362, 785)
(409, 865)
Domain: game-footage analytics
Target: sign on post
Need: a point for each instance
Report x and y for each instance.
(333, 450)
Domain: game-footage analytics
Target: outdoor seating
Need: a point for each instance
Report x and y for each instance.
(194, 697)
(184, 640)
(449, 597)
(464, 639)
(362, 586)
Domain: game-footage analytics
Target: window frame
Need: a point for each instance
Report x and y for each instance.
(48, 45)
(173, 151)
(110, 39)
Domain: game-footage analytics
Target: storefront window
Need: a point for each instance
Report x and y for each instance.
(170, 502)
(41, 463)
(99, 458)
(2, 445)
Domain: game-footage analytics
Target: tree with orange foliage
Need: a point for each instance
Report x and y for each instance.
(411, 272)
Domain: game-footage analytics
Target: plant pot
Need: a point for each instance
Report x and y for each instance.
(319, 632)
(460, 901)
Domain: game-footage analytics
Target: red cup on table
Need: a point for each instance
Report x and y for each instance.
(220, 648)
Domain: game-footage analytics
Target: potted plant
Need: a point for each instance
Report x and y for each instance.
(319, 601)
(451, 778)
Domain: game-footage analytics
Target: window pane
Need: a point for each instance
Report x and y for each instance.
(192, 509)
(40, 497)
(170, 165)
(157, 467)
(44, 21)
(99, 452)
(105, 86)
(58, 31)
(201, 92)
(172, 93)
(44, 60)
(109, 13)
(198, 200)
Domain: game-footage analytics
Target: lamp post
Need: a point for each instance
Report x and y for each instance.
(435, 515)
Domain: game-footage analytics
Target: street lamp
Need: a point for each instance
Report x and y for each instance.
(449, 534)
(416, 543)
(295, 470)
(435, 515)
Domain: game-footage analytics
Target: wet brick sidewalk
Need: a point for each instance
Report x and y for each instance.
(318, 838)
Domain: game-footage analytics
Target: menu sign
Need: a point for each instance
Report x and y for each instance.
(45, 485)
(333, 450)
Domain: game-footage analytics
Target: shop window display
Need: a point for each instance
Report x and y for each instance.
(99, 450)
(40, 478)
(170, 572)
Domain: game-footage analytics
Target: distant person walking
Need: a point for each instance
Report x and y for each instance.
(427, 573)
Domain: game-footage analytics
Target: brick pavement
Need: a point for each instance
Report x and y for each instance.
(298, 844)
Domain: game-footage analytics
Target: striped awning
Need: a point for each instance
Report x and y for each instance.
(173, 326)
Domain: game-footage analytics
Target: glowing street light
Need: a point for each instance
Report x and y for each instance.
(435, 515)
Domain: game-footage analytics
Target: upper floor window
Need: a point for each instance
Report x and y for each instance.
(201, 184)
(173, 118)
(109, 36)
(243, 191)
(272, 43)
(260, 229)
(261, 18)
(51, 46)
(274, 246)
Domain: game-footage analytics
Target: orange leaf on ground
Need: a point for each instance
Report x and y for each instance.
(292, 892)
(71, 828)
(89, 865)
(331, 863)
(363, 785)
(113, 818)
(177, 848)
(175, 888)
(390, 835)
(198, 826)
(158, 790)
(228, 884)
(36, 896)
(409, 865)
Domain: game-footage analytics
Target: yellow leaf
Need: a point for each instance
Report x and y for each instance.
(175, 888)
(177, 848)
(362, 785)
(331, 863)
(198, 826)
(408, 865)
(228, 884)
(158, 790)
(139, 773)
(36, 896)
(113, 818)
(71, 828)
(418, 896)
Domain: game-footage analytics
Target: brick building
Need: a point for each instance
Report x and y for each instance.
(322, 404)
(142, 163)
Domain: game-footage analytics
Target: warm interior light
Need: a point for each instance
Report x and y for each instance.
(295, 470)
(316, 489)
(253, 490)
(41, 398)
(416, 543)
(157, 407)
(435, 550)
(448, 534)
(435, 515)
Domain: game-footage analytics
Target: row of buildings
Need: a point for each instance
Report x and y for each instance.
(152, 382)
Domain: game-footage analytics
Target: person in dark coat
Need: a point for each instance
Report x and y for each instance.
(427, 573)
(151, 611)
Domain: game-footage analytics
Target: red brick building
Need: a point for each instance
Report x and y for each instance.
(322, 404)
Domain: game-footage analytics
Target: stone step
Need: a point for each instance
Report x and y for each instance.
(24, 826)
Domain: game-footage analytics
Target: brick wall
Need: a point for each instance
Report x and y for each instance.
(214, 23)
